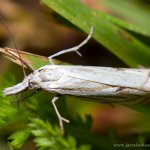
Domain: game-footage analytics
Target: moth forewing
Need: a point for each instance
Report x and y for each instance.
(100, 83)
(137, 79)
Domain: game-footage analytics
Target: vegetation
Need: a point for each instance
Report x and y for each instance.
(120, 27)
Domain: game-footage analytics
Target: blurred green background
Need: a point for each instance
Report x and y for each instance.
(121, 38)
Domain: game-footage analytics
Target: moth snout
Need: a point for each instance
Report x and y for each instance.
(15, 89)
(18, 88)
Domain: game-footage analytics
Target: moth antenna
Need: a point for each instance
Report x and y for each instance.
(14, 43)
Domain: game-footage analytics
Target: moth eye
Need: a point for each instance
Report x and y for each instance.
(32, 85)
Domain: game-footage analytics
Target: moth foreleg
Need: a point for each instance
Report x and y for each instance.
(73, 49)
(25, 97)
(60, 118)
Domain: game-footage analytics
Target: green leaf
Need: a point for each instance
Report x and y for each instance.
(136, 11)
(7, 112)
(48, 137)
(109, 31)
(18, 138)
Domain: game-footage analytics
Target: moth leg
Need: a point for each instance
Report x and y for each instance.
(60, 118)
(23, 98)
(73, 49)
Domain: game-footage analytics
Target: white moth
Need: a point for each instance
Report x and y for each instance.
(101, 84)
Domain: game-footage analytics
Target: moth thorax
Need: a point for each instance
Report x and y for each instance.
(50, 75)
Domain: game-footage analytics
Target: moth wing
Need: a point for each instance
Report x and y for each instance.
(129, 78)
